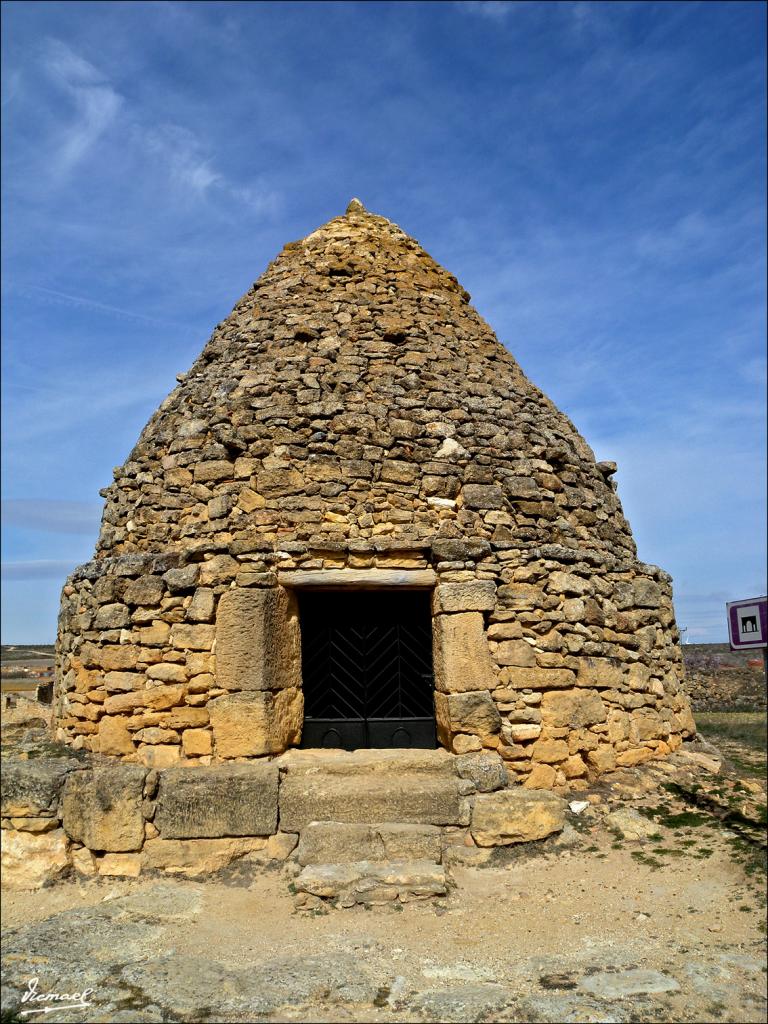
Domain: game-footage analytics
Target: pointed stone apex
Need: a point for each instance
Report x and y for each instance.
(355, 206)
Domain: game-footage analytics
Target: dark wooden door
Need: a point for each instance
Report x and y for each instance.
(367, 669)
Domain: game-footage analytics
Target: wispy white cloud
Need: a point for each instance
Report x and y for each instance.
(492, 10)
(95, 101)
(51, 515)
(37, 569)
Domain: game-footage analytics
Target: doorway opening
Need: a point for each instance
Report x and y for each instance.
(367, 668)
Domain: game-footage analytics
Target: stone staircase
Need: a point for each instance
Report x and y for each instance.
(374, 825)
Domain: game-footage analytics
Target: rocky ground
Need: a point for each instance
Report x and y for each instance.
(649, 907)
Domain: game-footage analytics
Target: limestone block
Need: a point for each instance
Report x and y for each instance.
(101, 807)
(216, 469)
(484, 770)
(473, 712)
(424, 798)
(112, 616)
(567, 583)
(159, 755)
(459, 550)
(337, 842)
(122, 703)
(114, 737)
(461, 657)
(162, 698)
(186, 637)
(515, 652)
(167, 672)
(156, 635)
(630, 824)
(520, 596)
(123, 682)
(186, 718)
(549, 751)
(181, 579)
(602, 758)
(519, 732)
(146, 590)
(483, 496)
(258, 645)
(646, 593)
(399, 472)
(197, 742)
(542, 776)
(601, 673)
(223, 800)
(373, 882)
(472, 596)
(31, 789)
(635, 756)
(361, 578)
(197, 857)
(201, 606)
(122, 865)
(572, 709)
(573, 767)
(464, 744)
(256, 723)
(30, 861)
(538, 678)
(114, 657)
(516, 816)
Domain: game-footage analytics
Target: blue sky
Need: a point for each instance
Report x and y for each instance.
(592, 173)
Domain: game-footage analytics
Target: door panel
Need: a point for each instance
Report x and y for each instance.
(367, 669)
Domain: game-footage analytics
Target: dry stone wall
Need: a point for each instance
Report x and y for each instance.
(355, 422)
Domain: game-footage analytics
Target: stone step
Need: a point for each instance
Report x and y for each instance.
(370, 882)
(368, 762)
(412, 797)
(323, 842)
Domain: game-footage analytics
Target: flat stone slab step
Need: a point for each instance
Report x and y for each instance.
(424, 798)
(371, 882)
(366, 761)
(324, 842)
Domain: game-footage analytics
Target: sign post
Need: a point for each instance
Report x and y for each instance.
(748, 626)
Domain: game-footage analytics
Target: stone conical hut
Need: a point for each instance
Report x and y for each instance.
(356, 523)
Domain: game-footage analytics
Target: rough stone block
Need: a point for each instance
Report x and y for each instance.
(222, 800)
(515, 652)
(368, 799)
(538, 678)
(341, 842)
(482, 496)
(146, 590)
(197, 742)
(31, 861)
(373, 882)
(256, 723)
(474, 713)
(461, 657)
(114, 737)
(188, 637)
(472, 596)
(197, 857)
(258, 645)
(485, 771)
(101, 807)
(516, 816)
(31, 789)
(572, 709)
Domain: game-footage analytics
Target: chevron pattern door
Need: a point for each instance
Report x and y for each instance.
(367, 669)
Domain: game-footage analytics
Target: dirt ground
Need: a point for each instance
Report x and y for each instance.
(587, 926)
